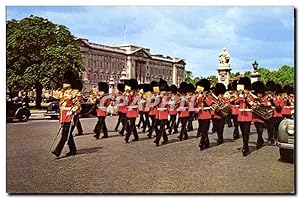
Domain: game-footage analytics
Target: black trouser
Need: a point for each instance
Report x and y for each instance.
(124, 123)
(236, 132)
(131, 128)
(214, 129)
(183, 132)
(228, 120)
(77, 124)
(119, 120)
(173, 125)
(190, 121)
(273, 125)
(146, 122)
(203, 131)
(245, 128)
(64, 138)
(260, 129)
(153, 126)
(101, 127)
(287, 116)
(220, 123)
(162, 131)
(142, 120)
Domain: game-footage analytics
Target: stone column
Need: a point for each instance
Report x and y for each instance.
(255, 75)
(174, 75)
(129, 67)
(224, 74)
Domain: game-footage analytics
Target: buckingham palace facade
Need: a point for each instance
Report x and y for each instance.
(104, 63)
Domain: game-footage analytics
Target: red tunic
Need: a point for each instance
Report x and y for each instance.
(172, 109)
(184, 111)
(153, 110)
(288, 106)
(204, 108)
(101, 110)
(245, 111)
(234, 108)
(132, 108)
(256, 118)
(216, 115)
(277, 101)
(163, 109)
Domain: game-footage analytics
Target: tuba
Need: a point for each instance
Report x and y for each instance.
(220, 106)
(260, 110)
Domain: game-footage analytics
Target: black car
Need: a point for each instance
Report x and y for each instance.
(53, 109)
(17, 109)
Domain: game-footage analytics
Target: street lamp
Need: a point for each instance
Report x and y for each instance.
(255, 65)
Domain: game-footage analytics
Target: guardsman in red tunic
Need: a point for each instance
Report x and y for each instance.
(153, 109)
(120, 105)
(123, 109)
(278, 103)
(132, 111)
(77, 86)
(141, 109)
(259, 100)
(183, 110)
(172, 109)
(191, 92)
(245, 111)
(146, 94)
(162, 110)
(288, 99)
(68, 108)
(204, 101)
(234, 109)
(220, 119)
(101, 104)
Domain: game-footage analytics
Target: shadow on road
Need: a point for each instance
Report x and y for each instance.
(82, 152)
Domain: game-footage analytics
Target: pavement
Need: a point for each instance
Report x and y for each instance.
(111, 166)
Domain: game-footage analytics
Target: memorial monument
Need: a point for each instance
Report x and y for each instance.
(224, 67)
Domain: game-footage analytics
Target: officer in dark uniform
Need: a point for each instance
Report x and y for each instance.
(77, 85)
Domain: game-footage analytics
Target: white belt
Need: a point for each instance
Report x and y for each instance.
(182, 108)
(132, 107)
(288, 107)
(65, 108)
(235, 106)
(161, 109)
(245, 109)
(204, 108)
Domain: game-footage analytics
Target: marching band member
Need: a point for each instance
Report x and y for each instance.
(68, 108)
(162, 109)
(132, 111)
(77, 86)
(190, 94)
(172, 110)
(245, 111)
(259, 91)
(120, 105)
(146, 94)
(153, 110)
(234, 109)
(141, 110)
(288, 98)
(204, 101)
(183, 110)
(124, 104)
(219, 91)
(101, 105)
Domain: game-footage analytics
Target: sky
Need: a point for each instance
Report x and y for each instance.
(196, 34)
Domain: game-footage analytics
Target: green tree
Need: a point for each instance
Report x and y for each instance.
(38, 54)
(188, 75)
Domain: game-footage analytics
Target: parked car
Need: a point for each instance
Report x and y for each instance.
(17, 109)
(53, 109)
(286, 140)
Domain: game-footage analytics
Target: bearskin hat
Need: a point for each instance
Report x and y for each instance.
(246, 82)
(204, 83)
(133, 83)
(126, 82)
(288, 89)
(232, 86)
(270, 86)
(258, 87)
(153, 84)
(77, 84)
(278, 88)
(183, 87)
(69, 77)
(121, 87)
(220, 89)
(190, 88)
(147, 88)
(173, 89)
(103, 86)
(163, 85)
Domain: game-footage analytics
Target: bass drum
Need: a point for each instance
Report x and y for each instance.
(286, 132)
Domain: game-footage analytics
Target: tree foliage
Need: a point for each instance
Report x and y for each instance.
(38, 53)
(284, 76)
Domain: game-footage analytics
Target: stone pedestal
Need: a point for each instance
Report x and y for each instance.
(111, 85)
(224, 74)
(255, 75)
